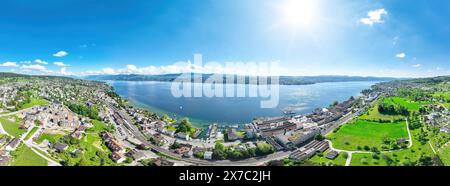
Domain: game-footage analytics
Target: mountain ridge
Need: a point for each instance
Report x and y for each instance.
(283, 80)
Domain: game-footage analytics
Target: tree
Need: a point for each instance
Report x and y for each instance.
(425, 160)
(414, 124)
(175, 145)
(184, 126)
(264, 148)
(83, 162)
(199, 154)
(219, 152)
(335, 103)
(320, 137)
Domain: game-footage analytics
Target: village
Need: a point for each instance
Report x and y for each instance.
(75, 122)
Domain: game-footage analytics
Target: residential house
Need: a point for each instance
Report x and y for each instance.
(158, 139)
(445, 129)
(60, 147)
(183, 136)
(136, 155)
(162, 162)
(332, 155)
(115, 146)
(232, 135)
(13, 144)
(208, 155)
(118, 157)
(4, 160)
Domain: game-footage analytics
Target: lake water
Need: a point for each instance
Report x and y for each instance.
(157, 97)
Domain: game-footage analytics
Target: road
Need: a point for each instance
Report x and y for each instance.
(15, 112)
(247, 162)
(29, 141)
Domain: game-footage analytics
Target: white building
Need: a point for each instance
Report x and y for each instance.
(208, 155)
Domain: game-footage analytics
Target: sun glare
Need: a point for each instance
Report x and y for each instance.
(299, 13)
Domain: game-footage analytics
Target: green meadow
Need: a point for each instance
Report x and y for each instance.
(35, 102)
(12, 127)
(362, 133)
(24, 156)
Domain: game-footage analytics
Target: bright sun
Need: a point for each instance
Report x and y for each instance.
(299, 13)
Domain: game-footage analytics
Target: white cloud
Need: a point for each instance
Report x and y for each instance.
(9, 64)
(63, 71)
(374, 16)
(34, 67)
(60, 64)
(61, 54)
(41, 62)
(180, 67)
(25, 62)
(108, 71)
(417, 65)
(401, 55)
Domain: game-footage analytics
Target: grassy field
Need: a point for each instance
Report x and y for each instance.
(444, 154)
(365, 133)
(24, 156)
(45, 154)
(339, 161)
(31, 133)
(374, 115)
(93, 152)
(98, 126)
(12, 128)
(35, 102)
(444, 95)
(410, 105)
(52, 138)
(366, 160)
(399, 158)
(447, 105)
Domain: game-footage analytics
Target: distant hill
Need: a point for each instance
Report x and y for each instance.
(283, 80)
(10, 74)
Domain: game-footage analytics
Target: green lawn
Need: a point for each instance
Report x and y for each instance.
(410, 105)
(374, 115)
(91, 145)
(366, 160)
(93, 152)
(399, 158)
(52, 138)
(171, 128)
(35, 102)
(24, 156)
(444, 95)
(12, 128)
(339, 161)
(444, 154)
(98, 126)
(365, 133)
(45, 154)
(31, 133)
(447, 105)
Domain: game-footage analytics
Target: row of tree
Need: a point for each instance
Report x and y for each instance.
(391, 109)
(90, 112)
(221, 152)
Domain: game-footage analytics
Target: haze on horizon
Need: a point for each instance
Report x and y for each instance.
(307, 37)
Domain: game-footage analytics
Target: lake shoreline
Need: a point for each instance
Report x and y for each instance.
(131, 92)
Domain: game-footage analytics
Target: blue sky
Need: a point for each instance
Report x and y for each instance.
(400, 38)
